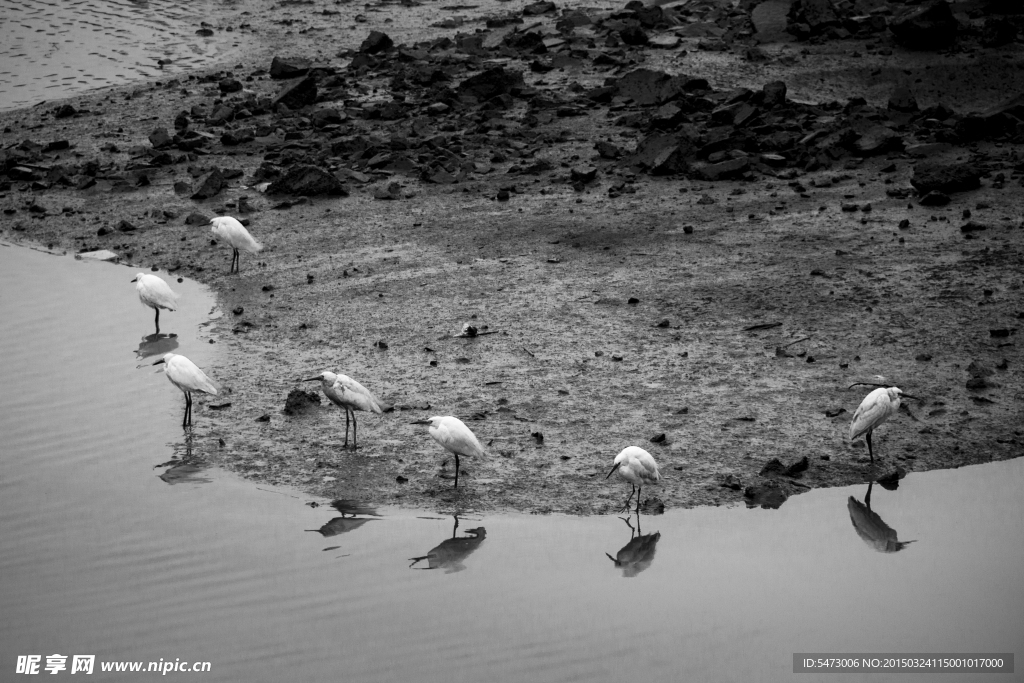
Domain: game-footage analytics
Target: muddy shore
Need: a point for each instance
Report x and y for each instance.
(716, 323)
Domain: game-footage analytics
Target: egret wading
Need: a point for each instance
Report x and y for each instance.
(235, 234)
(350, 396)
(187, 376)
(636, 466)
(156, 294)
(876, 408)
(455, 436)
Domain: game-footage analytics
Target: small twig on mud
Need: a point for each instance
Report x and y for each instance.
(761, 326)
(529, 352)
(476, 334)
(795, 342)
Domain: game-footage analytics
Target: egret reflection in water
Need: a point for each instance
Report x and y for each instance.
(185, 470)
(156, 345)
(638, 554)
(452, 552)
(870, 527)
(351, 522)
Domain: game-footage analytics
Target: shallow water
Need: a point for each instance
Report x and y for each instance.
(103, 556)
(51, 50)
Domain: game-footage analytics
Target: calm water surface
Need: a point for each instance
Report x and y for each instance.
(51, 49)
(102, 556)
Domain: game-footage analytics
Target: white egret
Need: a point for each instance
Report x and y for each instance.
(187, 376)
(156, 294)
(636, 466)
(349, 395)
(877, 407)
(454, 435)
(235, 234)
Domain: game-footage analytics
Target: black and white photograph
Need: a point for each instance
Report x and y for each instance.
(511, 341)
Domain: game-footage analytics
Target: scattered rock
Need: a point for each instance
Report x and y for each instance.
(209, 185)
(298, 94)
(307, 181)
(376, 43)
(946, 178)
(301, 402)
(289, 67)
(931, 27)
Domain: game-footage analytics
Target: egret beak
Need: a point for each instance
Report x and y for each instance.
(313, 379)
(135, 279)
(614, 467)
(159, 362)
(420, 422)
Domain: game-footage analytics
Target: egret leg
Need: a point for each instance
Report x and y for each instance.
(187, 420)
(234, 261)
(638, 499)
(355, 442)
(456, 470)
(345, 445)
(625, 508)
(870, 452)
(157, 320)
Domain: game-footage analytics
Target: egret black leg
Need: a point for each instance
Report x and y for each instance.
(187, 420)
(234, 261)
(157, 320)
(345, 445)
(632, 490)
(638, 499)
(870, 452)
(355, 441)
(456, 470)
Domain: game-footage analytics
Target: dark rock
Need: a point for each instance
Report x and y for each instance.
(973, 226)
(197, 219)
(773, 466)
(376, 42)
(221, 115)
(607, 150)
(289, 67)
(583, 174)
(537, 8)
(663, 154)
(492, 83)
(22, 173)
(236, 137)
(731, 168)
(956, 177)
(301, 402)
(874, 138)
(796, 468)
(125, 226)
(327, 117)
(298, 94)
(647, 86)
(935, 198)
(931, 27)
(998, 31)
(890, 481)
(774, 94)
(817, 14)
(64, 111)
(159, 138)
(390, 191)
(307, 181)
(667, 116)
(633, 35)
(902, 100)
(769, 495)
(230, 85)
(209, 185)
(730, 481)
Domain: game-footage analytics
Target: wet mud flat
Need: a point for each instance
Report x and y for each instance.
(646, 269)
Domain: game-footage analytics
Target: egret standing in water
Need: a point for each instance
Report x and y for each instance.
(876, 408)
(187, 376)
(350, 396)
(454, 435)
(156, 294)
(636, 466)
(235, 234)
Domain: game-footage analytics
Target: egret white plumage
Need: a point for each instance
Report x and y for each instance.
(187, 376)
(235, 234)
(455, 436)
(349, 395)
(636, 466)
(877, 407)
(156, 294)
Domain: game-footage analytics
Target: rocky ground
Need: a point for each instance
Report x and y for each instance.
(689, 227)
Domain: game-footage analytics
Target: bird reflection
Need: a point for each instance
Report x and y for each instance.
(156, 345)
(452, 552)
(870, 527)
(343, 524)
(638, 554)
(185, 470)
